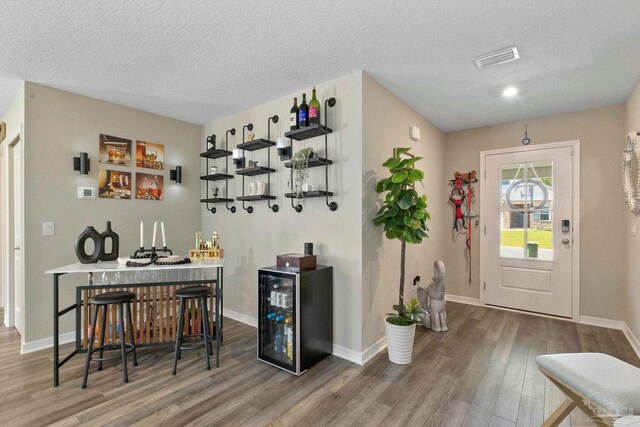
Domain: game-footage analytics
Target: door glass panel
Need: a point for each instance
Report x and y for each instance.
(526, 206)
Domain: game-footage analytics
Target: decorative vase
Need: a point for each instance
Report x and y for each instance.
(399, 342)
(98, 246)
(115, 244)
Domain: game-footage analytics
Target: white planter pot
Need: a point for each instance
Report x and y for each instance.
(399, 342)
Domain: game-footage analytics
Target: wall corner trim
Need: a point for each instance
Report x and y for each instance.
(633, 340)
(242, 318)
(602, 323)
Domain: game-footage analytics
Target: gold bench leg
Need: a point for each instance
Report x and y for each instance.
(560, 414)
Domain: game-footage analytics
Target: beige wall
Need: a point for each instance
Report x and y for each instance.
(58, 126)
(631, 246)
(600, 133)
(386, 123)
(253, 240)
(14, 118)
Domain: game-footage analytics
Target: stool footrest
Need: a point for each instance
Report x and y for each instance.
(111, 347)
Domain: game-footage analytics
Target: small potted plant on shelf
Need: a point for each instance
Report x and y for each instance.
(404, 216)
(300, 166)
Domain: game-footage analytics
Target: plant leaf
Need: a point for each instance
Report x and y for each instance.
(392, 163)
(405, 201)
(400, 176)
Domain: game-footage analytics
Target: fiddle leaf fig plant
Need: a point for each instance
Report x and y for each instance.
(403, 214)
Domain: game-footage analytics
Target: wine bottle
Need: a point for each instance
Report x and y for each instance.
(303, 112)
(293, 116)
(314, 109)
(271, 316)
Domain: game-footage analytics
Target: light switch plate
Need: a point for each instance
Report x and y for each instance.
(86, 193)
(48, 229)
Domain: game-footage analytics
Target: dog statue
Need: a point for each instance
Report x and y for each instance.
(434, 314)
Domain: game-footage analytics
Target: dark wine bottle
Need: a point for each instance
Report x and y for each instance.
(314, 109)
(293, 116)
(303, 112)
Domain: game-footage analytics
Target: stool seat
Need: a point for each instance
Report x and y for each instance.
(115, 297)
(192, 292)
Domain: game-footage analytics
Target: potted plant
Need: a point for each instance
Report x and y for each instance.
(300, 166)
(404, 216)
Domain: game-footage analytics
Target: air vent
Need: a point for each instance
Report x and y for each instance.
(497, 57)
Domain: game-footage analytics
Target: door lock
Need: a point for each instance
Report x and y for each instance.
(566, 241)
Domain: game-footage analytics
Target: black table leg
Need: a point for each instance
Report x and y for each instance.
(56, 326)
(218, 317)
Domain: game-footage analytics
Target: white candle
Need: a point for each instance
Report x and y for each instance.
(280, 143)
(155, 230)
(142, 234)
(236, 154)
(164, 237)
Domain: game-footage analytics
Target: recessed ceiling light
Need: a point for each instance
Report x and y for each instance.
(510, 92)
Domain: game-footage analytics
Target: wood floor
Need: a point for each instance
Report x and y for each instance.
(482, 372)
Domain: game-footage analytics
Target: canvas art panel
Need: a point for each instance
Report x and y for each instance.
(149, 186)
(114, 150)
(149, 155)
(114, 184)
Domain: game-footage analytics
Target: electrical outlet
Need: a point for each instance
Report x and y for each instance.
(48, 229)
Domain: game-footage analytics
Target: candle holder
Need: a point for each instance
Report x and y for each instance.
(150, 252)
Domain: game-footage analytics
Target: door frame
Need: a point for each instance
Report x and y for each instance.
(8, 282)
(575, 271)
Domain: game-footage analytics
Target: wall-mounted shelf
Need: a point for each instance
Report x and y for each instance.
(216, 177)
(253, 171)
(309, 194)
(256, 144)
(215, 200)
(314, 162)
(307, 132)
(215, 153)
(256, 198)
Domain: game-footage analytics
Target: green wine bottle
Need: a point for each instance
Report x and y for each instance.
(314, 109)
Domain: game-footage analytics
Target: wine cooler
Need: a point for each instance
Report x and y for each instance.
(295, 317)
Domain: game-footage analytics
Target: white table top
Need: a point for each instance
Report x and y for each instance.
(103, 266)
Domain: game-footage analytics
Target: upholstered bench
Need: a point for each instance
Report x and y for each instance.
(602, 386)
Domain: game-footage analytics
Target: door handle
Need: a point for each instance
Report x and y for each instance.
(17, 248)
(566, 241)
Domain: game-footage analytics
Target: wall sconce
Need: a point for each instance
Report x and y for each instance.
(82, 164)
(283, 151)
(238, 159)
(176, 174)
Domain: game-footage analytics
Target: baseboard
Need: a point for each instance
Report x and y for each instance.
(374, 349)
(45, 343)
(633, 340)
(242, 318)
(603, 323)
(347, 354)
(462, 300)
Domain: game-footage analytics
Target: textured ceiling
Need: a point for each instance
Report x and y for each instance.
(203, 60)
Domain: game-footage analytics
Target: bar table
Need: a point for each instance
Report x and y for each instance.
(154, 309)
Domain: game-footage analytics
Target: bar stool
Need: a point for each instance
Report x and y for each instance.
(103, 301)
(201, 293)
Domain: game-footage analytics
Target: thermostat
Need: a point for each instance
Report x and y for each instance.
(86, 193)
(414, 133)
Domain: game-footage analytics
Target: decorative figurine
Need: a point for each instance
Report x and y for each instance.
(253, 163)
(434, 315)
(250, 136)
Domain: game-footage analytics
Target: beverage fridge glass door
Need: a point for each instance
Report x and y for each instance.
(277, 307)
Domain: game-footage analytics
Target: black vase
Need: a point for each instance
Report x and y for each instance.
(115, 244)
(98, 246)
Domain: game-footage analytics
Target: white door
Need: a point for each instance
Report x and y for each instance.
(18, 271)
(527, 247)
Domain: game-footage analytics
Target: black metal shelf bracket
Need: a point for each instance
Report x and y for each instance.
(271, 119)
(332, 205)
(250, 128)
(231, 131)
